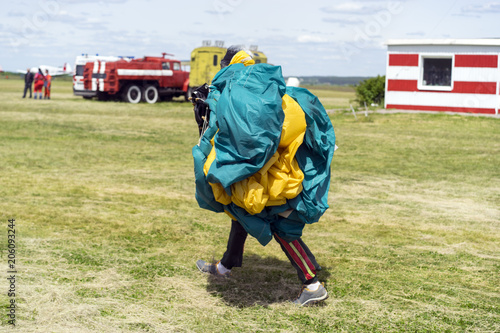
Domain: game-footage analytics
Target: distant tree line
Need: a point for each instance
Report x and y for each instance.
(331, 80)
(369, 90)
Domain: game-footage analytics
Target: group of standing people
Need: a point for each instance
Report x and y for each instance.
(41, 81)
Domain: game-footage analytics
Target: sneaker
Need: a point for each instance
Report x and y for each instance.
(307, 296)
(208, 268)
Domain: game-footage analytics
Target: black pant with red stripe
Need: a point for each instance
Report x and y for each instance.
(297, 252)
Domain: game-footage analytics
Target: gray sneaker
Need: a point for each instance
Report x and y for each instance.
(307, 296)
(208, 268)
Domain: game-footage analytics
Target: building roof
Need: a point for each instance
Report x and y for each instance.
(450, 41)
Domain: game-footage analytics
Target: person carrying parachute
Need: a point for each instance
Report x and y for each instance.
(264, 159)
(39, 81)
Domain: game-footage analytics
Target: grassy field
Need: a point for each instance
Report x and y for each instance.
(108, 229)
(334, 97)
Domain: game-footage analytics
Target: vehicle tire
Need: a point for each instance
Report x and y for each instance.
(188, 94)
(87, 97)
(133, 94)
(102, 96)
(151, 94)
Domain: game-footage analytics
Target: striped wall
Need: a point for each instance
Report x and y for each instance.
(474, 88)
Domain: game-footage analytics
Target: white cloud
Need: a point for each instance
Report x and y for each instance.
(343, 21)
(81, 2)
(84, 22)
(416, 33)
(16, 13)
(486, 8)
(353, 8)
(312, 39)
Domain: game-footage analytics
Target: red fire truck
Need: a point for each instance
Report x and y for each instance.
(133, 80)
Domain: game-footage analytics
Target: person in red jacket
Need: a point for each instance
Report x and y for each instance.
(39, 80)
(47, 84)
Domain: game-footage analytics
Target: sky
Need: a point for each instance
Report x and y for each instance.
(328, 38)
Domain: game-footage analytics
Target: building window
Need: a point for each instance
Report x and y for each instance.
(436, 73)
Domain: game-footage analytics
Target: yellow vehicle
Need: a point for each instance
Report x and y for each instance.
(205, 62)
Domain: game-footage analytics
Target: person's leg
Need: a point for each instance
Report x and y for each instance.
(311, 256)
(301, 259)
(304, 262)
(233, 257)
(25, 90)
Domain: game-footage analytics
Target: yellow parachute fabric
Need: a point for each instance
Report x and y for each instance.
(242, 58)
(280, 178)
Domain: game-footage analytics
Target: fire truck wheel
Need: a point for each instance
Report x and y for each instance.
(189, 93)
(151, 94)
(133, 94)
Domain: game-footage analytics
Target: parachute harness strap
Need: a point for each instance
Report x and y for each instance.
(203, 129)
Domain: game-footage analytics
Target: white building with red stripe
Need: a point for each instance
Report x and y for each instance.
(459, 75)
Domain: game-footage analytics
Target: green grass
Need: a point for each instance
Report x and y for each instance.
(334, 97)
(108, 229)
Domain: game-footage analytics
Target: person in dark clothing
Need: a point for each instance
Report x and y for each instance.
(28, 82)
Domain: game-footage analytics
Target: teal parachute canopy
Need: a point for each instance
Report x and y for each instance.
(245, 127)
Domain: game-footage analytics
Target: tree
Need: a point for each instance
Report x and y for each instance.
(371, 90)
